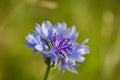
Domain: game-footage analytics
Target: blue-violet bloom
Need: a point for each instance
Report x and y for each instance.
(58, 44)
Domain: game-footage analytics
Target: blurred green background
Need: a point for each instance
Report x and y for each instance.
(98, 20)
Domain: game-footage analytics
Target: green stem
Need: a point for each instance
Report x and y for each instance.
(47, 72)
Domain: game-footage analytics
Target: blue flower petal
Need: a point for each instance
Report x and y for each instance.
(39, 47)
(54, 61)
(73, 38)
(72, 69)
(63, 65)
(38, 28)
(85, 41)
(45, 28)
(50, 53)
(75, 56)
(59, 28)
(71, 31)
(30, 45)
(31, 38)
(63, 25)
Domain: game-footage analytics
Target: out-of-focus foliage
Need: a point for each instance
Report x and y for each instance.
(98, 20)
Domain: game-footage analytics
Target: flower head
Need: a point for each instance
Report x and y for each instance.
(57, 44)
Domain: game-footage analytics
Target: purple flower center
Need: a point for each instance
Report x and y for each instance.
(60, 43)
